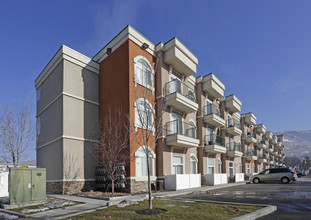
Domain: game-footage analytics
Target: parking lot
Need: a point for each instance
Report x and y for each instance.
(293, 200)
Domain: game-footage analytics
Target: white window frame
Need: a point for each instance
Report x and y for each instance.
(219, 165)
(137, 118)
(136, 78)
(193, 161)
(141, 155)
(212, 166)
(175, 165)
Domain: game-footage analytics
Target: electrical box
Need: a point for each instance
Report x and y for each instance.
(27, 185)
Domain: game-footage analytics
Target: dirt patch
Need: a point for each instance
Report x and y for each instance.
(151, 211)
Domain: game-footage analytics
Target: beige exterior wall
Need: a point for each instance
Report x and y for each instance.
(68, 113)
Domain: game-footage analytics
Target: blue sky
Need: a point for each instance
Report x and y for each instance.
(261, 50)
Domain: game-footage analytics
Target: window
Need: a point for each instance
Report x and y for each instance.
(231, 169)
(191, 131)
(253, 168)
(141, 162)
(144, 114)
(178, 166)
(143, 72)
(240, 167)
(248, 168)
(211, 166)
(176, 124)
(230, 123)
(193, 165)
(219, 165)
(38, 127)
(38, 94)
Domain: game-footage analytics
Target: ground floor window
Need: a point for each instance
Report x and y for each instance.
(219, 165)
(178, 165)
(248, 168)
(240, 167)
(141, 162)
(211, 166)
(193, 165)
(253, 168)
(231, 169)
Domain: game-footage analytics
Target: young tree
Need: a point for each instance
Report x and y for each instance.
(147, 128)
(17, 132)
(113, 142)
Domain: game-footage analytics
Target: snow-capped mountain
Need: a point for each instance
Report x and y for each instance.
(296, 143)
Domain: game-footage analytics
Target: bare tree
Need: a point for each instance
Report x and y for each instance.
(113, 142)
(147, 128)
(17, 131)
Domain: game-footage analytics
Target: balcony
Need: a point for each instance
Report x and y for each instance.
(213, 86)
(214, 144)
(251, 155)
(251, 138)
(262, 159)
(250, 118)
(279, 144)
(234, 149)
(177, 55)
(233, 103)
(234, 127)
(261, 129)
(262, 144)
(271, 161)
(275, 152)
(181, 96)
(280, 138)
(268, 135)
(214, 116)
(274, 139)
(181, 134)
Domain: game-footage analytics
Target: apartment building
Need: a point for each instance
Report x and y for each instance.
(204, 139)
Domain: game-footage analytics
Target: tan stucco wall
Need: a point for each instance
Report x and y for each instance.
(50, 157)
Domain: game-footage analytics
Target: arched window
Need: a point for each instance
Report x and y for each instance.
(219, 165)
(144, 114)
(193, 164)
(143, 72)
(141, 161)
(191, 131)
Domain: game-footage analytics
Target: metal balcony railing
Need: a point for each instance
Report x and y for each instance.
(214, 139)
(234, 123)
(176, 85)
(271, 146)
(182, 128)
(251, 153)
(252, 135)
(213, 109)
(234, 146)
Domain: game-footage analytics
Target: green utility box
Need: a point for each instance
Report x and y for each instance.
(27, 185)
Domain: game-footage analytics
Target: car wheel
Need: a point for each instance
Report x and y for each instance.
(299, 175)
(285, 180)
(256, 181)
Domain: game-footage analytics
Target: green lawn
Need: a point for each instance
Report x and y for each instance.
(195, 210)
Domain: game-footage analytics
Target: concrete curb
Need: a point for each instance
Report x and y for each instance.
(257, 214)
(266, 210)
(81, 213)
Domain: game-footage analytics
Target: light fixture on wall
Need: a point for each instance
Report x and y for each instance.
(145, 46)
(109, 50)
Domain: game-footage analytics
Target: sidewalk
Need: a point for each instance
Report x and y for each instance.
(93, 204)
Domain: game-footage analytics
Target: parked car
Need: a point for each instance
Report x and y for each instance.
(283, 174)
(300, 173)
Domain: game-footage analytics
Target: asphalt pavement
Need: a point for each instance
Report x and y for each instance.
(293, 200)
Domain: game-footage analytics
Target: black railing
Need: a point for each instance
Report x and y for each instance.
(177, 86)
(214, 139)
